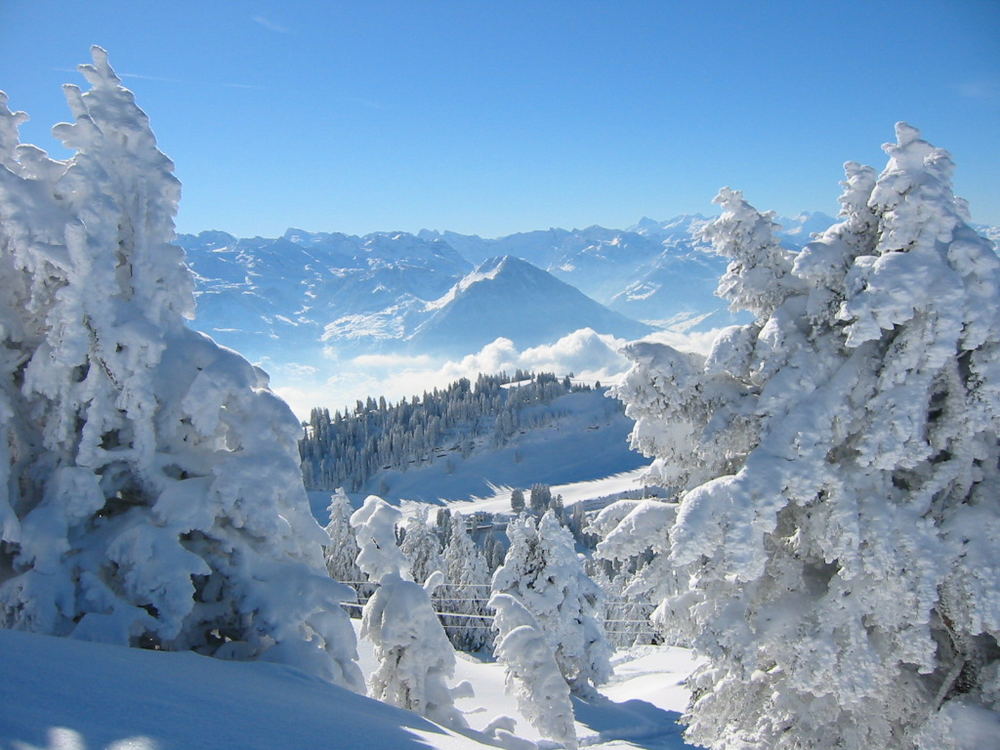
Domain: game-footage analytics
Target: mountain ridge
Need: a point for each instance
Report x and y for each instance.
(323, 294)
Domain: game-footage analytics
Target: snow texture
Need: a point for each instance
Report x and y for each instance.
(837, 469)
(149, 485)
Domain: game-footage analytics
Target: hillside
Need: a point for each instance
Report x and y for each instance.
(466, 439)
(65, 694)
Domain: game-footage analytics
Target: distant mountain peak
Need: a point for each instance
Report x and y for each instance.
(510, 297)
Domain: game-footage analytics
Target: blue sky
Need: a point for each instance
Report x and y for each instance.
(495, 117)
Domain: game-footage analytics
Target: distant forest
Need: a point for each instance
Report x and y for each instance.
(346, 449)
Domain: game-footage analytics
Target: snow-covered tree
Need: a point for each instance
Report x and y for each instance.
(543, 572)
(635, 539)
(421, 547)
(539, 498)
(837, 467)
(517, 500)
(151, 492)
(533, 677)
(374, 525)
(467, 589)
(639, 575)
(414, 655)
(341, 549)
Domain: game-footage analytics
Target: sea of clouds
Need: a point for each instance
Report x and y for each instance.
(588, 355)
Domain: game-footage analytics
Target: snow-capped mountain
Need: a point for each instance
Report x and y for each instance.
(313, 291)
(528, 305)
(600, 262)
(264, 296)
(655, 270)
(304, 292)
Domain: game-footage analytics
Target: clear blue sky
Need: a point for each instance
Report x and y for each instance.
(494, 117)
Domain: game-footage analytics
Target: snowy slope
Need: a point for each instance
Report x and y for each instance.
(638, 708)
(507, 296)
(62, 694)
(587, 440)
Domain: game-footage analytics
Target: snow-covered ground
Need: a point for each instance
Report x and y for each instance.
(63, 694)
(605, 489)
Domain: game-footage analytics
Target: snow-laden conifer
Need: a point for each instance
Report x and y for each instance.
(153, 495)
(415, 658)
(467, 589)
(837, 464)
(341, 549)
(533, 677)
(421, 547)
(634, 539)
(544, 573)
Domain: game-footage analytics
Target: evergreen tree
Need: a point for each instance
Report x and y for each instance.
(152, 493)
(444, 520)
(468, 589)
(539, 498)
(556, 506)
(414, 655)
(421, 548)
(542, 571)
(533, 677)
(517, 501)
(837, 462)
(342, 549)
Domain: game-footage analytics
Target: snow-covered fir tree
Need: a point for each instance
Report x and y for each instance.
(415, 658)
(150, 491)
(421, 547)
(634, 540)
(341, 550)
(837, 464)
(533, 677)
(544, 573)
(517, 500)
(467, 589)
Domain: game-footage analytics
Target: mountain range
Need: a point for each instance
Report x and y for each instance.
(321, 293)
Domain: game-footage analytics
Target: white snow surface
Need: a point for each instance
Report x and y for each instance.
(63, 694)
(594, 490)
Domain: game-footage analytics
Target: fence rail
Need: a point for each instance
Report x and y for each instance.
(489, 617)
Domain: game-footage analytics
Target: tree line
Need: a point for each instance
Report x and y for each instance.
(349, 447)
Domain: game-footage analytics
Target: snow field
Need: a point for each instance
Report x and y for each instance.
(64, 694)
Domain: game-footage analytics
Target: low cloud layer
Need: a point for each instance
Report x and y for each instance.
(588, 355)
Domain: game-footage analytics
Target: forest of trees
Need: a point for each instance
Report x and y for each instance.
(348, 448)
